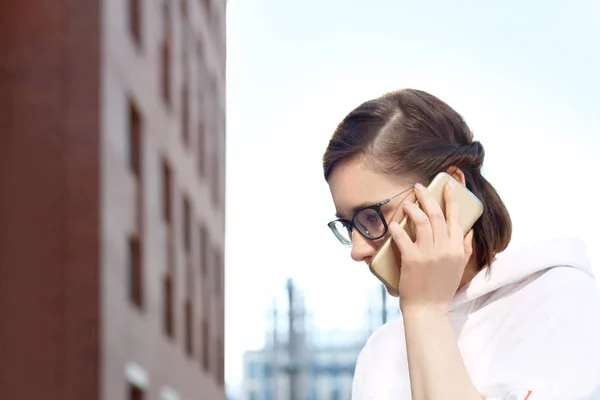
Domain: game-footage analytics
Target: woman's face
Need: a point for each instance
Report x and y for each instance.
(353, 187)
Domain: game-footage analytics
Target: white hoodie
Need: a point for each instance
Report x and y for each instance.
(528, 330)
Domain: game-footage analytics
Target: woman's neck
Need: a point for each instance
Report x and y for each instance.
(470, 271)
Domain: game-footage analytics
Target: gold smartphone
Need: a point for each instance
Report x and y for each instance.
(385, 264)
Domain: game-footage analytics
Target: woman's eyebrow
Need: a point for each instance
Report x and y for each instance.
(357, 208)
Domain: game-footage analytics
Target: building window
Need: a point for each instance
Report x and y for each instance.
(135, 21)
(135, 392)
(135, 271)
(205, 345)
(187, 217)
(215, 178)
(166, 54)
(167, 285)
(215, 146)
(189, 332)
(185, 113)
(335, 394)
(218, 272)
(166, 189)
(221, 362)
(187, 308)
(184, 26)
(253, 370)
(137, 381)
(184, 9)
(168, 317)
(201, 140)
(201, 109)
(189, 277)
(135, 138)
(203, 251)
(185, 97)
(221, 175)
(134, 241)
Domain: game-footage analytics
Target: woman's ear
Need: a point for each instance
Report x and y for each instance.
(457, 174)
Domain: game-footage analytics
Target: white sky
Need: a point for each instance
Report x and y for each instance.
(525, 75)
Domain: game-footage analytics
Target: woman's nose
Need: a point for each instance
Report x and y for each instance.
(362, 249)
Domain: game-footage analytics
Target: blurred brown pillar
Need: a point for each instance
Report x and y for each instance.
(49, 200)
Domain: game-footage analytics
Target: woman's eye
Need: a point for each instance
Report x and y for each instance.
(372, 218)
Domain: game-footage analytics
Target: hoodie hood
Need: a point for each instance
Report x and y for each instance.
(520, 264)
(528, 329)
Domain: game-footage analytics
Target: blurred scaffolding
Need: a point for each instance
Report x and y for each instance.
(300, 362)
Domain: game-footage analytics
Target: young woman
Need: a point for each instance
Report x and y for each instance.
(525, 326)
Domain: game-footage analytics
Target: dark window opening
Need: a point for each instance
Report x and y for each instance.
(135, 272)
(135, 21)
(166, 188)
(203, 251)
(189, 330)
(166, 54)
(187, 225)
(205, 345)
(168, 317)
(135, 392)
(135, 137)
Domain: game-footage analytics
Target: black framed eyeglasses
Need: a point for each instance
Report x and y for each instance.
(368, 221)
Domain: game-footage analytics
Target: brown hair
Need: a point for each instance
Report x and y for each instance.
(412, 133)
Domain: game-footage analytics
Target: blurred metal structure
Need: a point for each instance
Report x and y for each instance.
(297, 366)
(300, 363)
(112, 199)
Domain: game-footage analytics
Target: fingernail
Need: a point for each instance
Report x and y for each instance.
(418, 186)
(451, 184)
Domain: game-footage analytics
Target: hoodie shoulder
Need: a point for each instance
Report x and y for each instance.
(382, 368)
(548, 341)
(385, 340)
(523, 265)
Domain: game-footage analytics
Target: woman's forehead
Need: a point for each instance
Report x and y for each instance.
(353, 184)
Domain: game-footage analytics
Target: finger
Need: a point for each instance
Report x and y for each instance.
(421, 222)
(468, 244)
(454, 228)
(411, 198)
(401, 238)
(435, 213)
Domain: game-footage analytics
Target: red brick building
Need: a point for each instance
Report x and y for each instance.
(112, 124)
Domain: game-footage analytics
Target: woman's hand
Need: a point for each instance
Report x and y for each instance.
(432, 266)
